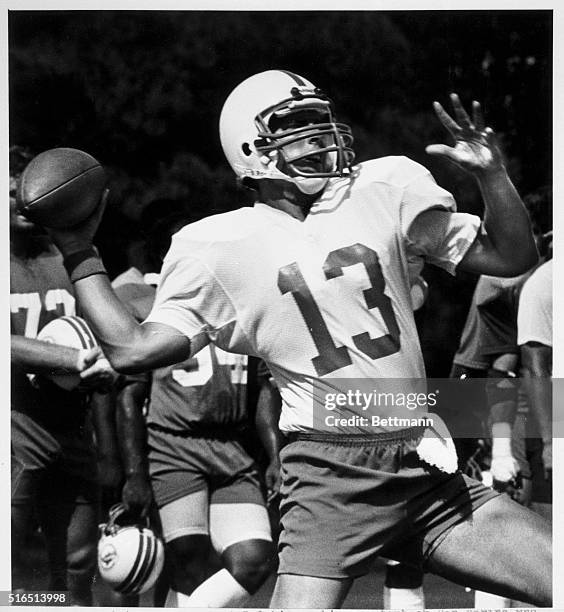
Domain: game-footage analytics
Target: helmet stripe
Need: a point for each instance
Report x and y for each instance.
(82, 323)
(78, 330)
(145, 567)
(149, 563)
(296, 78)
(135, 567)
(137, 581)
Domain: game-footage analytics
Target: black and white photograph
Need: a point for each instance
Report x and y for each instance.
(281, 307)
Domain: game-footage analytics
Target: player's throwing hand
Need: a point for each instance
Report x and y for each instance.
(475, 149)
(79, 236)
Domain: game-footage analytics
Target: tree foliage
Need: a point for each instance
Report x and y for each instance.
(142, 90)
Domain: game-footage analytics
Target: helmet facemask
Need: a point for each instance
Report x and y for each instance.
(334, 140)
(263, 138)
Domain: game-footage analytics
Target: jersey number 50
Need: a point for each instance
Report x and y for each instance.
(332, 357)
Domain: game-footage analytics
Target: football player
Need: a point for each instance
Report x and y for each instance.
(489, 348)
(534, 334)
(205, 484)
(314, 280)
(53, 464)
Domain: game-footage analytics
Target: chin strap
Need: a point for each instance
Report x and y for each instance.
(309, 186)
(306, 185)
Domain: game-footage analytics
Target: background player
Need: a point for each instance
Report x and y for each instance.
(488, 347)
(534, 325)
(205, 484)
(258, 280)
(497, 410)
(52, 446)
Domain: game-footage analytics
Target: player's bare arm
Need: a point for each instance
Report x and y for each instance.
(132, 433)
(501, 395)
(266, 422)
(107, 451)
(38, 356)
(507, 247)
(128, 345)
(536, 371)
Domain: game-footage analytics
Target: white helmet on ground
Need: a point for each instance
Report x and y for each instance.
(253, 148)
(130, 557)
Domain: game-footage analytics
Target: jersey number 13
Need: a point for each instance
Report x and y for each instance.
(332, 357)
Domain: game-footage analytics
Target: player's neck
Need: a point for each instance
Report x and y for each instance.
(285, 196)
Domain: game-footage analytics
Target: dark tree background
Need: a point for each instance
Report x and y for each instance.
(142, 91)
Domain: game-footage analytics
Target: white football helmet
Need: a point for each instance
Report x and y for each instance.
(253, 148)
(70, 331)
(130, 557)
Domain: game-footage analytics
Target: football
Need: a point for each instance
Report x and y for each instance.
(60, 187)
(68, 331)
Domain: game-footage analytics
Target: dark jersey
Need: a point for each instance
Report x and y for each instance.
(491, 325)
(40, 292)
(206, 393)
(491, 330)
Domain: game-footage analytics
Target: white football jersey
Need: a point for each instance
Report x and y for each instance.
(322, 301)
(534, 321)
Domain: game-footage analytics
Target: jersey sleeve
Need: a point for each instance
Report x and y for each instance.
(420, 192)
(442, 237)
(190, 299)
(534, 319)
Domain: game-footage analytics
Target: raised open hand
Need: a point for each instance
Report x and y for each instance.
(475, 146)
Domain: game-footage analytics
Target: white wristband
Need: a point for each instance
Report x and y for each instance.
(501, 440)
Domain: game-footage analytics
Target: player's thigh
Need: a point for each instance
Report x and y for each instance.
(25, 486)
(237, 505)
(68, 499)
(185, 526)
(292, 591)
(503, 548)
(544, 510)
(68, 516)
(177, 468)
(238, 521)
(33, 450)
(82, 537)
(241, 534)
(188, 515)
